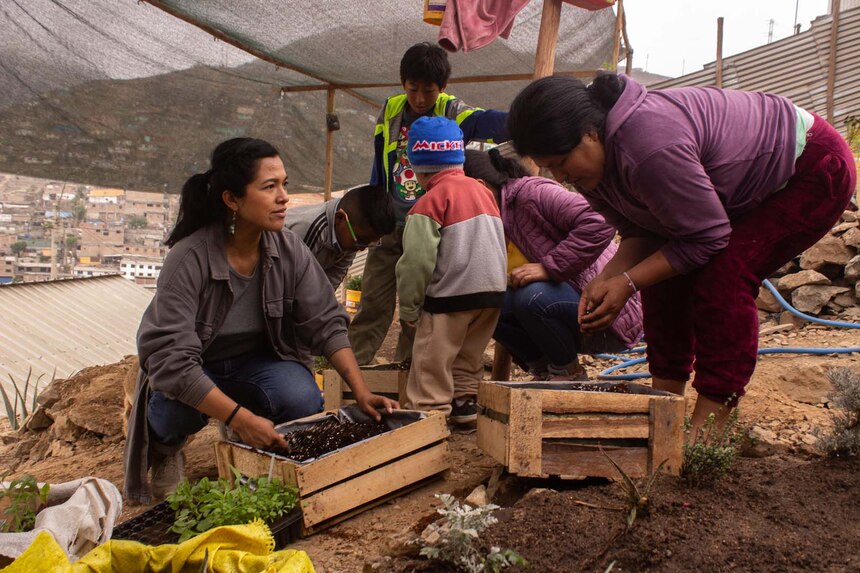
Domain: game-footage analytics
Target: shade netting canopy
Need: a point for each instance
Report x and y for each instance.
(127, 94)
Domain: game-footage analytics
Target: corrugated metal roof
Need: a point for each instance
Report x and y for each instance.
(67, 325)
(796, 67)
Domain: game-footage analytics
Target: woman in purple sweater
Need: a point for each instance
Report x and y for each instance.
(566, 244)
(712, 190)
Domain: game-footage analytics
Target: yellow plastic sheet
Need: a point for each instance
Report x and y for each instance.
(230, 549)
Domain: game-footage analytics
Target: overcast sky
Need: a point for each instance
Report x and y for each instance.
(673, 37)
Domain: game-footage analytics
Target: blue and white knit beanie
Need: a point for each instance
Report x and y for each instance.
(435, 143)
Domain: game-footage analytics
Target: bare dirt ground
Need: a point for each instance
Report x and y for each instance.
(790, 511)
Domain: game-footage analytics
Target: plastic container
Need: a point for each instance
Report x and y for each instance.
(151, 527)
(353, 298)
(434, 11)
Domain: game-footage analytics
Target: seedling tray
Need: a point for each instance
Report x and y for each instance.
(151, 527)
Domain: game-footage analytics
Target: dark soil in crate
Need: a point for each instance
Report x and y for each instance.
(151, 527)
(327, 436)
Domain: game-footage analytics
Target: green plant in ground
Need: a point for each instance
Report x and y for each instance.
(459, 532)
(638, 502)
(22, 499)
(353, 282)
(208, 504)
(844, 438)
(710, 455)
(16, 417)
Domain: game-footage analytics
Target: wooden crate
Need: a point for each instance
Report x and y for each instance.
(380, 380)
(542, 429)
(346, 482)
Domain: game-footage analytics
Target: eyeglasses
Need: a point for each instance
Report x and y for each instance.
(358, 244)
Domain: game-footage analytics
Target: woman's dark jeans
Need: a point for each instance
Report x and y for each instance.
(539, 326)
(280, 390)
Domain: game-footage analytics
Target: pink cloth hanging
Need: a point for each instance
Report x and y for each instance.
(472, 24)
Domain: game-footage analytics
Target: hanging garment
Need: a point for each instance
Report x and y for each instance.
(472, 24)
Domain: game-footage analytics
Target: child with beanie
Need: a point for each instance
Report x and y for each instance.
(452, 278)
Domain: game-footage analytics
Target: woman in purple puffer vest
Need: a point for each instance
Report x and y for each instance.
(566, 244)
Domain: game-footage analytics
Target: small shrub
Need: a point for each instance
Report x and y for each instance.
(711, 454)
(353, 282)
(844, 438)
(20, 397)
(458, 534)
(24, 498)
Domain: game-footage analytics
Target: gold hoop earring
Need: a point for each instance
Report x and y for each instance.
(232, 228)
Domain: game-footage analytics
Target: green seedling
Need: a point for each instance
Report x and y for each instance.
(22, 498)
(208, 504)
(638, 502)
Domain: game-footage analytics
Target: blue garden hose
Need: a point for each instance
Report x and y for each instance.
(608, 373)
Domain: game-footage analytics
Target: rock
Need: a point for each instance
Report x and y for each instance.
(849, 216)
(788, 318)
(842, 227)
(852, 269)
(61, 449)
(789, 267)
(39, 450)
(766, 301)
(795, 280)
(846, 300)
(764, 443)
(851, 238)
(49, 395)
(39, 420)
(806, 384)
(829, 250)
(810, 299)
(478, 497)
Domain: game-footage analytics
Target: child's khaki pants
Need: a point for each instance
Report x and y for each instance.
(448, 357)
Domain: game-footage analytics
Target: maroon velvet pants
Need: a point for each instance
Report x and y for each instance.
(708, 319)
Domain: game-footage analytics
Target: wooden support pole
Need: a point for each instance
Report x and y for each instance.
(329, 147)
(718, 81)
(628, 49)
(547, 38)
(616, 44)
(835, 6)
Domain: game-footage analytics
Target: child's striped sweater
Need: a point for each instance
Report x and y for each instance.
(454, 256)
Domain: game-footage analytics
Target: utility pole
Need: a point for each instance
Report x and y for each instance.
(770, 31)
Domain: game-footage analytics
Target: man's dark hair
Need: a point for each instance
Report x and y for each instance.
(370, 206)
(427, 63)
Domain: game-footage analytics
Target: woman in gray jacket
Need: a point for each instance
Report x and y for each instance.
(241, 304)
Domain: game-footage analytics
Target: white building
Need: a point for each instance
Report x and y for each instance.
(142, 270)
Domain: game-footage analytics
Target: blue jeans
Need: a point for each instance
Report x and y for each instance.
(279, 390)
(539, 326)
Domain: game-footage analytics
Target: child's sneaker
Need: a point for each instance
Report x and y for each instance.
(464, 410)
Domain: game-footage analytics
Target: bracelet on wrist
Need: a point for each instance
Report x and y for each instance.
(233, 413)
(630, 282)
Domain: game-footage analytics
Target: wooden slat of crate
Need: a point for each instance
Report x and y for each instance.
(667, 432)
(493, 438)
(573, 460)
(494, 397)
(596, 426)
(560, 402)
(391, 383)
(524, 432)
(366, 487)
(360, 457)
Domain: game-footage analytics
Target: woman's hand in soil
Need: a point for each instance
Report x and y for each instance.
(601, 302)
(528, 273)
(370, 404)
(256, 431)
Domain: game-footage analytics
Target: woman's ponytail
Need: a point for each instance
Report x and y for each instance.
(605, 90)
